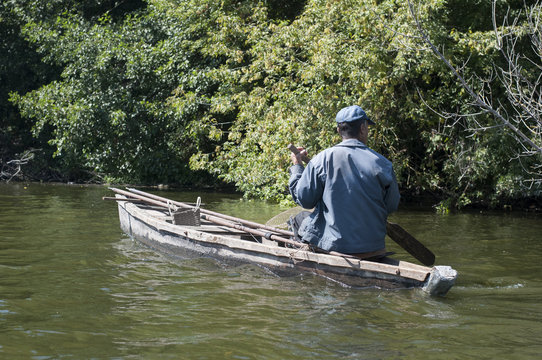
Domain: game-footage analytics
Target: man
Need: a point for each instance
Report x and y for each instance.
(351, 187)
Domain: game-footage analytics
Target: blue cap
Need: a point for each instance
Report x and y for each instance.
(352, 113)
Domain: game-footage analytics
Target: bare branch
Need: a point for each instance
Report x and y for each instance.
(523, 95)
(13, 168)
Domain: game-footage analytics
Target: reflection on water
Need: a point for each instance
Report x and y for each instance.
(73, 285)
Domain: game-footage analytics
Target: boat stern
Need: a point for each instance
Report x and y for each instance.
(440, 280)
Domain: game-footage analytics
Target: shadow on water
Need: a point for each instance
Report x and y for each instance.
(73, 285)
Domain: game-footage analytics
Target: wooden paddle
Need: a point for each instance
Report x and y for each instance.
(401, 236)
(410, 244)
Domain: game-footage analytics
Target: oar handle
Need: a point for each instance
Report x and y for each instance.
(293, 149)
(296, 151)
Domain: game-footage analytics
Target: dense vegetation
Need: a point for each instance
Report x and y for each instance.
(200, 91)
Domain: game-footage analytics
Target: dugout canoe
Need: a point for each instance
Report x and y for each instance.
(154, 226)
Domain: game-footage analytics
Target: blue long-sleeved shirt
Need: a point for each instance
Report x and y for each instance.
(352, 189)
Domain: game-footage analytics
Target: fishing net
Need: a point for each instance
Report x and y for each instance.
(280, 221)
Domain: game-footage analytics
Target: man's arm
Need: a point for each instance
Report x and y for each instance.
(298, 155)
(305, 185)
(392, 195)
(295, 174)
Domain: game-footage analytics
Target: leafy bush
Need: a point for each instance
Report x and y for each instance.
(166, 91)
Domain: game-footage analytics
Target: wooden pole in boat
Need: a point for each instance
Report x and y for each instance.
(209, 212)
(232, 224)
(209, 217)
(133, 197)
(400, 236)
(117, 199)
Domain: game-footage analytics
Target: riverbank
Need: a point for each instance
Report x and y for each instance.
(425, 201)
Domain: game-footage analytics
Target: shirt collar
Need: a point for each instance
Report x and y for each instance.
(352, 143)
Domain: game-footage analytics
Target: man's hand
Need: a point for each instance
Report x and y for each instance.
(298, 155)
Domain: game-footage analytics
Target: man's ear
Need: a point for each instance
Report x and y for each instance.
(364, 132)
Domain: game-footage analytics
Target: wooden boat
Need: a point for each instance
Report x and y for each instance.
(151, 222)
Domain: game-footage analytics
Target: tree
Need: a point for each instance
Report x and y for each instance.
(302, 72)
(24, 67)
(166, 91)
(21, 69)
(507, 98)
(108, 111)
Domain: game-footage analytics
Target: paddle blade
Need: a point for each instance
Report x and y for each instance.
(410, 244)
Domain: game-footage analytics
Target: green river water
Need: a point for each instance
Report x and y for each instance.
(73, 286)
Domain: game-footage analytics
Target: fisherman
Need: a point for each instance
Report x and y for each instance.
(351, 187)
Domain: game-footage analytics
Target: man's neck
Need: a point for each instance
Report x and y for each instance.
(353, 138)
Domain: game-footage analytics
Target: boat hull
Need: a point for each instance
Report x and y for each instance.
(152, 228)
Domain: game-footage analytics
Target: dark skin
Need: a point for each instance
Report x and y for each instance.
(303, 156)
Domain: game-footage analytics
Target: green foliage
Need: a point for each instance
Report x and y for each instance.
(23, 69)
(107, 111)
(336, 54)
(302, 73)
(163, 90)
(20, 70)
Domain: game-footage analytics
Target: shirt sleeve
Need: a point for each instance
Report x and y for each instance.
(392, 195)
(305, 185)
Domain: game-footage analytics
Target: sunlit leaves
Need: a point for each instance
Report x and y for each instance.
(224, 86)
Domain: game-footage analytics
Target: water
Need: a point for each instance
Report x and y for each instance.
(72, 285)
